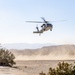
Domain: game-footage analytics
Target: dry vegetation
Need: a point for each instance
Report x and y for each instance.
(62, 69)
(6, 58)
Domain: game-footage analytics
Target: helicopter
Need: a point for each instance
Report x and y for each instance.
(44, 27)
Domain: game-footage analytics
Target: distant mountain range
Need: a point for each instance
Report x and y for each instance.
(24, 45)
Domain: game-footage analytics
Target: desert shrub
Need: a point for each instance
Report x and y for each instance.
(62, 69)
(6, 58)
(42, 73)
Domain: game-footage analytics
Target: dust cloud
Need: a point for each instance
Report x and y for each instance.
(45, 57)
(47, 53)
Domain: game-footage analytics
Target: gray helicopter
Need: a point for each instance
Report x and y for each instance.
(44, 27)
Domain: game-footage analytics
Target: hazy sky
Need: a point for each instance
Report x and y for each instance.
(14, 13)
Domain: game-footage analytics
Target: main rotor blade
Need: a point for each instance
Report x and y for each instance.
(44, 19)
(57, 21)
(35, 21)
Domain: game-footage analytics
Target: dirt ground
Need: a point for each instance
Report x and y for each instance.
(32, 67)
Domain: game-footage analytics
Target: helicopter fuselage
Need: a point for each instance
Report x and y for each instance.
(46, 27)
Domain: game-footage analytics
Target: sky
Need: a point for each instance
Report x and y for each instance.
(15, 13)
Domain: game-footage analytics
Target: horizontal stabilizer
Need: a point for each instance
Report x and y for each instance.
(37, 32)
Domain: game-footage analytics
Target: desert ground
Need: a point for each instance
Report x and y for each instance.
(32, 62)
(31, 67)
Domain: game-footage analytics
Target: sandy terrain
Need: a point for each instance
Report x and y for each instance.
(30, 67)
(39, 59)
